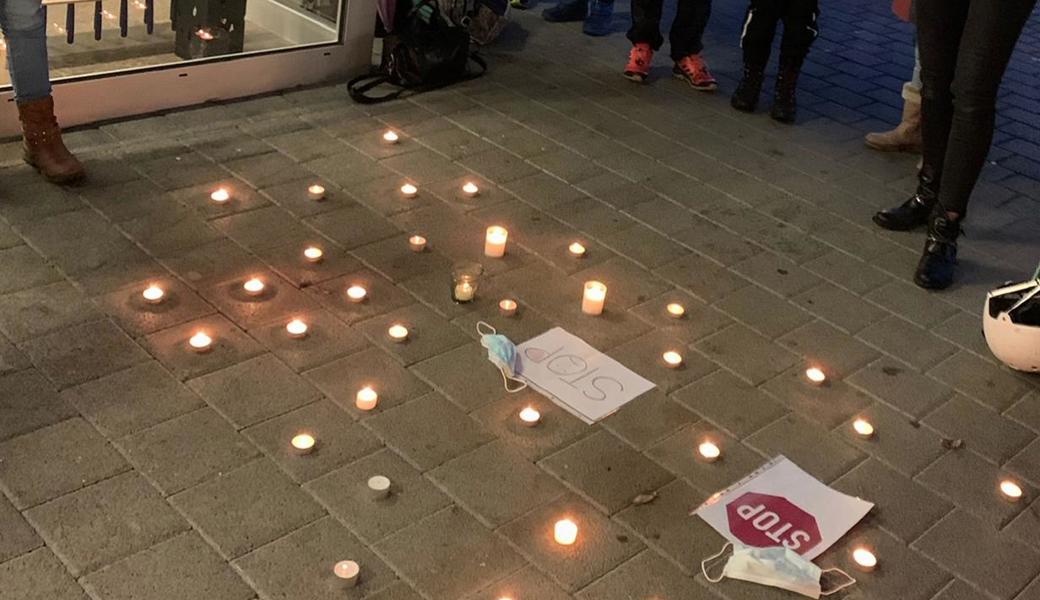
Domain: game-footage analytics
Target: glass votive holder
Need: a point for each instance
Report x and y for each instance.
(464, 281)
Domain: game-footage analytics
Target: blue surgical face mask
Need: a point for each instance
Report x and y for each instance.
(501, 353)
(777, 567)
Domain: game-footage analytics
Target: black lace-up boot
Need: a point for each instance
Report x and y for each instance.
(785, 103)
(745, 97)
(939, 261)
(914, 212)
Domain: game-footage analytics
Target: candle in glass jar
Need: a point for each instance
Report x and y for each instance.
(296, 329)
(153, 294)
(201, 342)
(356, 294)
(303, 443)
(577, 250)
(254, 286)
(397, 333)
(220, 195)
(313, 254)
(507, 307)
(366, 398)
(594, 298)
(409, 191)
(470, 190)
(495, 241)
(391, 137)
(464, 291)
(417, 243)
(316, 192)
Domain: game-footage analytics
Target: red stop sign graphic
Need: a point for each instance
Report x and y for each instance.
(764, 520)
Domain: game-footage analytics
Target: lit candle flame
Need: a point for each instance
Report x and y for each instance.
(565, 532)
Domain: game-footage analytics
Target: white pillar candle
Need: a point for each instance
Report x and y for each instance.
(495, 241)
(530, 416)
(565, 532)
(391, 137)
(1011, 490)
(220, 195)
(347, 573)
(378, 487)
(577, 250)
(507, 307)
(397, 333)
(313, 254)
(594, 298)
(254, 286)
(676, 310)
(296, 329)
(409, 191)
(366, 399)
(865, 560)
(356, 294)
(816, 375)
(316, 192)
(672, 359)
(303, 443)
(417, 243)
(201, 342)
(709, 452)
(470, 190)
(153, 294)
(863, 428)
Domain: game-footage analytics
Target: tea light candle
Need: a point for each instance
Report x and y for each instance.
(865, 559)
(507, 307)
(676, 310)
(816, 375)
(296, 329)
(594, 298)
(863, 428)
(313, 254)
(673, 359)
(409, 191)
(470, 190)
(200, 342)
(220, 195)
(417, 243)
(1011, 490)
(709, 452)
(565, 532)
(347, 572)
(379, 487)
(577, 250)
(316, 192)
(391, 137)
(356, 294)
(153, 294)
(530, 416)
(303, 443)
(464, 291)
(254, 287)
(397, 333)
(495, 241)
(366, 399)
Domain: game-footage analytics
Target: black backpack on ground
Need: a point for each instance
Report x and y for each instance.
(424, 52)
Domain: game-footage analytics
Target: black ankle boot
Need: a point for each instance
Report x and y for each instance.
(785, 105)
(914, 212)
(939, 261)
(745, 97)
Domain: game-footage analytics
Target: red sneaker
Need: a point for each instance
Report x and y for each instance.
(639, 59)
(695, 71)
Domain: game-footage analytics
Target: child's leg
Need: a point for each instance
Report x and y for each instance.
(800, 29)
(691, 17)
(646, 23)
(759, 28)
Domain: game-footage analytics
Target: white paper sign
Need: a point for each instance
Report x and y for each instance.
(782, 505)
(579, 378)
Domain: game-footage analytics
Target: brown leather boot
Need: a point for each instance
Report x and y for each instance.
(43, 147)
(906, 137)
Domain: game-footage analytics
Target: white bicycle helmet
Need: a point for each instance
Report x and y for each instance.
(1011, 323)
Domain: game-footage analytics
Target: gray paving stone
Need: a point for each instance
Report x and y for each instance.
(644, 356)
(606, 471)
(19, 538)
(601, 545)
(699, 320)
(344, 493)
(265, 170)
(1027, 411)
(339, 440)
(907, 301)
(848, 272)
(55, 460)
(173, 229)
(998, 565)
(751, 356)
(263, 228)
(23, 268)
(181, 567)
(902, 571)
(834, 351)
(244, 197)
(241, 510)
(383, 296)
(305, 144)
(12, 359)
(230, 346)
(428, 334)
(995, 386)
(254, 390)
(83, 352)
(289, 262)
(647, 419)
(341, 379)
(652, 250)
(394, 258)
(28, 402)
(1027, 463)
(353, 226)
(428, 431)
(525, 583)
(464, 376)
(840, 308)
(208, 264)
(543, 190)
(678, 453)
(973, 485)
(900, 387)
(644, 574)
(807, 445)
(327, 339)
(301, 564)
(829, 405)
(983, 430)
(397, 591)
(38, 311)
(556, 430)
(900, 442)
(498, 165)
(958, 590)
(38, 576)
(728, 402)
(763, 311)
(777, 274)
(102, 523)
(279, 300)
(294, 197)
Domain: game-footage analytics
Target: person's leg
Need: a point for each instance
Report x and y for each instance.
(756, 40)
(691, 17)
(906, 137)
(800, 31)
(601, 18)
(567, 10)
(645, 36)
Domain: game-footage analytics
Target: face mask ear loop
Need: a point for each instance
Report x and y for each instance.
(506, 379)
(849, 581)
(481, 331)
(712, 558)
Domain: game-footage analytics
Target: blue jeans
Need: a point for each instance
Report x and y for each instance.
(24, 24)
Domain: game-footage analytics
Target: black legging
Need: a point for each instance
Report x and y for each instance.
(965, 48)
